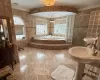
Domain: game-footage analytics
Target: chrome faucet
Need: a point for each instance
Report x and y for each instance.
(96, 45)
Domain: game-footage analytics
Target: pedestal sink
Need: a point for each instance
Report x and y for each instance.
(82, 55)
(90, 40)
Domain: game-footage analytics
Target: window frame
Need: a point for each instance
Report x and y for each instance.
(23, 36)
(54, 32)
(42, 31)
(40, 21)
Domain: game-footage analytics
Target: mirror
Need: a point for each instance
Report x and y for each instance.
(4, 33)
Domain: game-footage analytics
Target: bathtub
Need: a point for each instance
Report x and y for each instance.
(49, 37)
(48, 42)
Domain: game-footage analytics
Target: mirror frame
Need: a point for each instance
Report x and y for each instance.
(8, 25)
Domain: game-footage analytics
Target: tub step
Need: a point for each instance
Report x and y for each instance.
(49, 41)
(49, 46)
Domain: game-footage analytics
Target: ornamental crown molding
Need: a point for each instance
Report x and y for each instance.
(53, 8)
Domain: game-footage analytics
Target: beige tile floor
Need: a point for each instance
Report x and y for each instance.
(38, 64)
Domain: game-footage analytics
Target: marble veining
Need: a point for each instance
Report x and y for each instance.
(38, 64)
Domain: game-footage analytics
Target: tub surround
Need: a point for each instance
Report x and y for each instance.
(49, 37)
(49, 42)
(49, 46)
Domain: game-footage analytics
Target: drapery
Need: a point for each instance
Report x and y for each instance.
(70, 25)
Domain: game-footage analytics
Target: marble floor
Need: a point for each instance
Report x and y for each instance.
(38, 64)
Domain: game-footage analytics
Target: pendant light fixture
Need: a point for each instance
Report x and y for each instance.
(49, 2)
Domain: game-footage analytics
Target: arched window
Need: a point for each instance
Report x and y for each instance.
(19, 28)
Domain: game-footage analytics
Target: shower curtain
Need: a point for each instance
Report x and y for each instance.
(70, 25)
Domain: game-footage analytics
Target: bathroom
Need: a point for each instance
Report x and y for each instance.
(59, 41)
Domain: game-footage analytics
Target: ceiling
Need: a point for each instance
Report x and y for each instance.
(55, 14)
(30, 4)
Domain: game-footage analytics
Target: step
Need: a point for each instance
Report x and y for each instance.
(49, 41)
(49, 46)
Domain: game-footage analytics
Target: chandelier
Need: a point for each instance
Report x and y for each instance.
(49, 2)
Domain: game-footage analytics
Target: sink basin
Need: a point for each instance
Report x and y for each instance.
(90, 40)
(83, 55)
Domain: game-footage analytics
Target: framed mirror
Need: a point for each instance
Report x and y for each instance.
(4, 30)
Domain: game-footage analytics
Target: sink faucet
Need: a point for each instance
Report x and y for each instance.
(96, 45)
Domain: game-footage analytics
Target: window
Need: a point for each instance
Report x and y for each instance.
(19, 28)
(60, 29)
(41, 29)
(41, 26)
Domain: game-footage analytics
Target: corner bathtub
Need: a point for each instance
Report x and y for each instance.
(49, 37)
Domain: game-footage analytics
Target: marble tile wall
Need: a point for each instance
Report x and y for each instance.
(87, 24)
(30, 25)
(80, 28)
(94, 24)
(29, 22)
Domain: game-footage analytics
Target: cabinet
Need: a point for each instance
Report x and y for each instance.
(6, 57)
